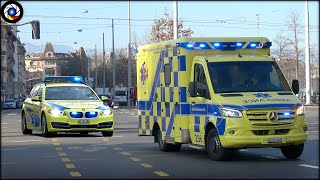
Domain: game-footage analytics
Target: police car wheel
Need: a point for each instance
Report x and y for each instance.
(44, 128)
(107, 133)
(215, 150)
(292, 151)
(24, 125)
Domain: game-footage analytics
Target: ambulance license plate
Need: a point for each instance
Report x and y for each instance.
(274, 140)
(83, 121)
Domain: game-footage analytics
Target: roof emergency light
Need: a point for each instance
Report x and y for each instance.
(72, 79)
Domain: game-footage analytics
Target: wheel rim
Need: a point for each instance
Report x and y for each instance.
(43, 125)
(215, 144)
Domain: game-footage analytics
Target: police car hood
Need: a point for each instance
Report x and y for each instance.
(254, 100)
(73, 104)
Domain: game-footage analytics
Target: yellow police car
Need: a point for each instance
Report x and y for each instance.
(65, 104)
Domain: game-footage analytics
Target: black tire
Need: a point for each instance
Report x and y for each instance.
(24, 128)
(84, 133)
(292, 151)
(44, 128)
(166, 147)
(214, 148)
(107, 133)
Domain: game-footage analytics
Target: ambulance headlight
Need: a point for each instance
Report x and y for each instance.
(230, 113)
(56, 112)
(301, 110)
(106, 112)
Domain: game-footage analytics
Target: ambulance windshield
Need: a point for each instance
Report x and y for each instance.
(255, 76)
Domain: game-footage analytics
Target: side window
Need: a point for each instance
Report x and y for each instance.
(200, 78)
(39, 93)
(34, 91)
(167, 74)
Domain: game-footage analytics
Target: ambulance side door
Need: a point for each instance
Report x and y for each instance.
(198, 103)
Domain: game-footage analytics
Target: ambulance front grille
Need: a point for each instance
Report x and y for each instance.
(261, 117)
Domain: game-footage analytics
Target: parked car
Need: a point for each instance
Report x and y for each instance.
(10, 103)
(108, 102)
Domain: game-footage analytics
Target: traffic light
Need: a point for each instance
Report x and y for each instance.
(35, 29)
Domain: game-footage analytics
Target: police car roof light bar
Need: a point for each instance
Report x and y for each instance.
(71, 79)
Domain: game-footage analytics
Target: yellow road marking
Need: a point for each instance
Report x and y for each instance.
(146, 165)
(117, 148)
(62, 154)
(56, 144)
(126, 153)
(70, 166)
(135, 159)
(65, 159)
(59, 148)
(161, 173)
(54, 140)
(105, 139)
(75, 174)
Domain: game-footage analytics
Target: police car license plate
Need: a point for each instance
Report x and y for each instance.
(83, 121)
(274, 140)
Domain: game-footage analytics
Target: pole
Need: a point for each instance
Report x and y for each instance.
(104, 67)
(129, 57)
(257, 19)
(175, 20)
(307, 51)
(95, 59)
(113, 62)
(88, 68)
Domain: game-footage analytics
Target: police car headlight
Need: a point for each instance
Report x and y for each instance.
(301, 110)
(230, 113)
(106, 112)
(56, 112)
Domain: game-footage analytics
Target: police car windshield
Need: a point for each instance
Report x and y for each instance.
(70, 93)
(260, 76)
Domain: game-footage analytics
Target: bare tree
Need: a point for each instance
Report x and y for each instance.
(282, 43)
(162, 29)
(297, 29)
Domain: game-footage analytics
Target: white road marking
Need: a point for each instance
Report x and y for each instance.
(27, 141)
(117, 136)
(243, 150)
(13, 149)
(269, 157)
(196, 147)
(12, 114)
(4, 123)
(309, 166)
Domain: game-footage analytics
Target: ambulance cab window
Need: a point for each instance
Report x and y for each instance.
(200, 78)
(167, 74)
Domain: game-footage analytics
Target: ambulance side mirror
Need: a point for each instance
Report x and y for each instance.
(193, 86)
(295, 86)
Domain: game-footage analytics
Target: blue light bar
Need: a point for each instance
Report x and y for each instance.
(72, 79)
(253, 45)
(228, 45)
(202, 45)
(216, 44)
(239, 44)
(189, 45)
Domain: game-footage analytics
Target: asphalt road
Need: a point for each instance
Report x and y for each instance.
(126, 155)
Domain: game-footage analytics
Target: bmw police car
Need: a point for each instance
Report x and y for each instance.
(65, 104)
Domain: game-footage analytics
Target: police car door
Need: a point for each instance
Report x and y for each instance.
(29, 107)
(199, 104)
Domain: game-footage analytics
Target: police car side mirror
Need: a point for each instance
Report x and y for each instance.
(104, 98)
(295, 86)
(193, 87)
(35, 98)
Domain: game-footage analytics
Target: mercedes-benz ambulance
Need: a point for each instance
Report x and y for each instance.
(221, 93)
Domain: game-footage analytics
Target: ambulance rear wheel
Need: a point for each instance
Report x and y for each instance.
(164, 146)
(215, 150)
(293, 151)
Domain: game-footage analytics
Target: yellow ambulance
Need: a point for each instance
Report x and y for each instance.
(221, 93)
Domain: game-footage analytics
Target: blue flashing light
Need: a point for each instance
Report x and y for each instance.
(136, 51)
(253, 45)
(73, 113)
(72, 79)
(76, 114)
(77, 78)
(202, 45)
(91, 114)
(286, 113)
(239, 44)
(189, 45)
(216, 44)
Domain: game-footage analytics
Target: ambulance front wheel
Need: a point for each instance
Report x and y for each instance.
(292, 151)
(215, 150)
(164, 146)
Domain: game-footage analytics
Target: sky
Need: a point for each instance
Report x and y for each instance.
(205, 18)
